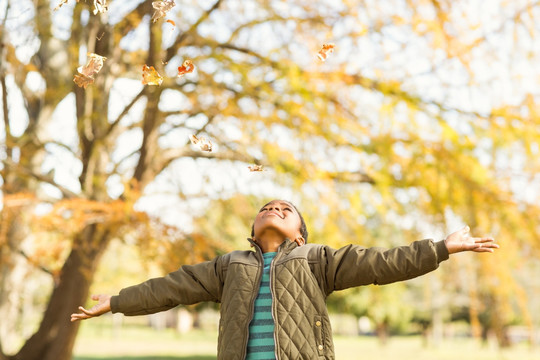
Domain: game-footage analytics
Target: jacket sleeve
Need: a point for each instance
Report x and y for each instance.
(188, 285)
(355, 265)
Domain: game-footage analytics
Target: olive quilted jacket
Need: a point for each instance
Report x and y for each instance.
(301, 277)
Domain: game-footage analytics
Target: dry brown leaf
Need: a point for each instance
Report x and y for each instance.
(83, 80)
(326, 50)
(253, 168)
(186, 68)
(203, 143)
(88, 71)
(100, 6)
(161, 8)
(151, 76)
(93, 65)
(63, 2)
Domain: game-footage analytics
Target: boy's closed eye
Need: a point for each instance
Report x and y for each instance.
(286, 208)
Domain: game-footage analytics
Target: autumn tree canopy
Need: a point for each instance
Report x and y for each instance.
(424, 116)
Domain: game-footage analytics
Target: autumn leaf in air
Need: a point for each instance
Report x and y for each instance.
(83, 80)
(87, 72)
(186, 68)
(100, 6)
(172, 23)
(203, 143)
(161, 8)
(151, 76)
(63, 2)
(254, 168)
(326, 50)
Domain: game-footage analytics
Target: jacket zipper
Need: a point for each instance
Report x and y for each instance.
(254, 296)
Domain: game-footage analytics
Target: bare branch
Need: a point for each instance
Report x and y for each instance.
(6, 11)
(5, 108)
(46, 179)
(124, 112)
(351, 177)
(192, 30)
(40, 267)
(131, 20)
(2, 74)
(60, 144)
(119, 163)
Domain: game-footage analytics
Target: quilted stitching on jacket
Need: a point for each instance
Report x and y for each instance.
(236, 312)
(301, 303)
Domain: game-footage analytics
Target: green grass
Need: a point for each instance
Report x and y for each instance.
(98, 341)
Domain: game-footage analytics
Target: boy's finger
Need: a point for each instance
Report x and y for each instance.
(87, 312)
(485, 247)
(75, 317)
(487, 241)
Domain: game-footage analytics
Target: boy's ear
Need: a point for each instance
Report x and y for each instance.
(300, 241)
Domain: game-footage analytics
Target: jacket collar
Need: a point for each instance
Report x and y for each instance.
(286, 246)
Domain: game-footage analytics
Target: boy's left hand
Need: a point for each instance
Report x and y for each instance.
(461, 241)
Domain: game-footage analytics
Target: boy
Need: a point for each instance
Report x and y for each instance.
(273, 299)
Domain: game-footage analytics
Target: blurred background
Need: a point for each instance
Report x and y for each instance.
(424, 118)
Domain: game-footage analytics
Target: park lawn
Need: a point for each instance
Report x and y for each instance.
(97, 341)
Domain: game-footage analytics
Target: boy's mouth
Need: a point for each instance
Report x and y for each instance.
(275, 213)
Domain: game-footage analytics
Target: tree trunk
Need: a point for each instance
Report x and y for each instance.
(55, 337)
(382, 332)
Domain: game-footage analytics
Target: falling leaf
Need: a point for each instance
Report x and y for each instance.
(83, 80)
(326, 50)
(171, 22)
(151, 76)
(161, 8)
(100, 6)
(186, 68)
(93, 65)
(203, 143)
(63, 2)
(88, 71)
(253, 168)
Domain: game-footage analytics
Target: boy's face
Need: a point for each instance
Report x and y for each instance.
(280, 217)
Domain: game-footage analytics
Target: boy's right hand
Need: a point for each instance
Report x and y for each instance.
(103, 306)
(461, 241)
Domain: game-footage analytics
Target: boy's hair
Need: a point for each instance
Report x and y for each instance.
(303, 228)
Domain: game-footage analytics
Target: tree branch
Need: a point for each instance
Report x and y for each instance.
(131, 20)
(124, 112)
(41, 267)
(46, 179)
(3, 76)
(5, 108)
(171, 51)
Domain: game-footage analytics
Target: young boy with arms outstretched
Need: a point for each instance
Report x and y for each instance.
(273, 299)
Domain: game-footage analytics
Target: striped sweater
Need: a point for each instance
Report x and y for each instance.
(261, 344)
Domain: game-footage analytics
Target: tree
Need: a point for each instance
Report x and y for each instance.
(366, 133)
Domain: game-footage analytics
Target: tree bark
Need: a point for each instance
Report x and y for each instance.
(56, 335)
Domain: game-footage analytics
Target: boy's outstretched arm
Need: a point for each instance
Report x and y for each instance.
(103, 306)
(461, 241)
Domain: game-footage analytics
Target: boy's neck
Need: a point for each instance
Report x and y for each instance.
(269, 246)
(270, 242)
